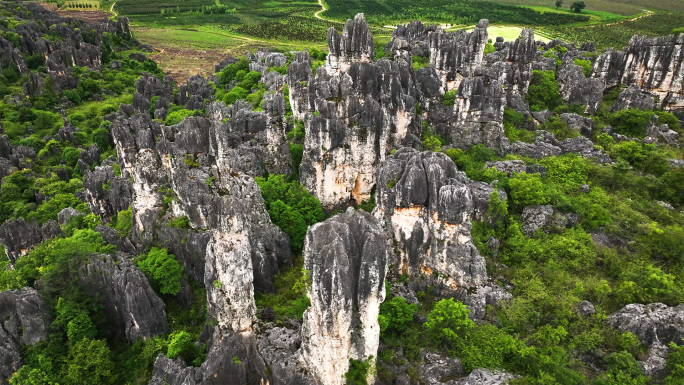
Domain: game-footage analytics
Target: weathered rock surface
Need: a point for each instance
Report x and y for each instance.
(487, 377)
(18, 236)
(653, 64)
(633, 97)
(364, 109)
(545, 217)
(130, 303)
(427, 205)
(437, 369)
(106, 193)
(23, 322)
(346, 256)
(655, 322)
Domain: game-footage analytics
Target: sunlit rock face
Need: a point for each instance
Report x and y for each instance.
(362, 110)
(652, 64)
(345, 257)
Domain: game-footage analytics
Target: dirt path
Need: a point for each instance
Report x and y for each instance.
(111, 10)
(317, 15)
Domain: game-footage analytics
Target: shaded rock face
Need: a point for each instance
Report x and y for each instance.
(435, 368)
(187, 170)
(486, 377)
(364, 109)
(546, 145)
(575, 88)
(455, 55)
(427, 206)
(655, 322)
(18, 237)
(229, 362)
(106, 193)
(346, 257)
(23, 322)
(653, 64)
(633, 97)
(129, 301)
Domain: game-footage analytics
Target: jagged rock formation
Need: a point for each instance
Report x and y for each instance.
(575, 88)
(346, 257)
(188, 173)
(653, 64)
(23, 322)
(633, 97)
(106, 193)
(655, 322)
(545, 217)
(129, 301)
(18, 236)
(486, 377)
(363, 110)
(427, 205)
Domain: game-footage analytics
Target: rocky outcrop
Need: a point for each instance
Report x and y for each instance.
(18, 236)
(345, 257)
(438, 370)
(633, 97)
(654, 322)
(363, 110)
(653, 64)
(23, 323)
(546, 145)
(106, 193)
(299, 77)
(427, 206)
(546, 218)
(189, 171)
(487, 377)
(129, 302)
(575, 88)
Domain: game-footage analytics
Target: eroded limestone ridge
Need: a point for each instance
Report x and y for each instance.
(346, 257)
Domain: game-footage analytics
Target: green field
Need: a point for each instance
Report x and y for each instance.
(188, 32)
(623, 7)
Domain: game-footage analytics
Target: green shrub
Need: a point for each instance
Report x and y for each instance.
(234, 94)
(290, 207)
(631, 122)
(449, 98)
(528, 190)
(395, 315)
(358, 371)
(176, 117)
(448, 322)
(162, 269)
(585, 64)
(675, 364)
(542, 93)
(90, 363)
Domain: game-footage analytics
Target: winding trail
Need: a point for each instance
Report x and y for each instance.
(317, 15)
(111, 10)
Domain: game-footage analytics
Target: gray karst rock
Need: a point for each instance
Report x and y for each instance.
(18, 237)
(586, 308)
(299, 77)
(346, 256)
(487, 377)
(24, 322)
(579, 122)
(653, 64)
(189, 174)
(575, 88)
(650, 323)
(546, 145)
(654, 365)
(129, 301)
(106, 193)
(436, 368)
(545, 217)
(66, 214)
(363, 110)
(455, 55)
(427, 205)
(633, 97)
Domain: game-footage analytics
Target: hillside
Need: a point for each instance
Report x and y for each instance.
(441, 207)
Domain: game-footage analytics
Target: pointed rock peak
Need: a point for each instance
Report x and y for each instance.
(484, 23)
(355, 44)
(524, 48)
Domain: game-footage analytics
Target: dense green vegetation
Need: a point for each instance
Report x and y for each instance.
(465, 12)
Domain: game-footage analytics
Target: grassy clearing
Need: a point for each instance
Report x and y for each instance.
(510, 33)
